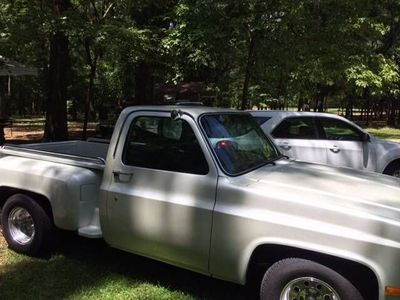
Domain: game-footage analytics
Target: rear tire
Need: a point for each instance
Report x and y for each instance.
(393, 169)
(26, 226)
(295, 278)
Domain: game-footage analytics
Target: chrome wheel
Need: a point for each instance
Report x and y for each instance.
(308, 288)
(21, 226)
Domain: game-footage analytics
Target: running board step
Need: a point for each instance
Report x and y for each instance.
(91, 232)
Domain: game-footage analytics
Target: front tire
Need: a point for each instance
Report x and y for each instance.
(26, 226)
(301, 279)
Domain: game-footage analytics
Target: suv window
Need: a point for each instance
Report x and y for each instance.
(339, 130)
(261, 120)
(164, 144)
(296, 128)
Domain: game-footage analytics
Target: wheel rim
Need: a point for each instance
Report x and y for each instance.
(21, 225)
(308, 288)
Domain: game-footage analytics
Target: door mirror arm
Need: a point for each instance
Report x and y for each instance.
(365, 137)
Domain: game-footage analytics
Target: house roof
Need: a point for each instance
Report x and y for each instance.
(12, 68)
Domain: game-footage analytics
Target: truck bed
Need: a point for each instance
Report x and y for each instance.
(89, 154)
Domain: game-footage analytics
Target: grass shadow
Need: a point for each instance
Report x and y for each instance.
(82, 268)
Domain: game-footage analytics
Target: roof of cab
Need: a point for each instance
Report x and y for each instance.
(194, 111)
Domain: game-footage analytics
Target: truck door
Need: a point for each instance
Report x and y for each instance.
(162, 192)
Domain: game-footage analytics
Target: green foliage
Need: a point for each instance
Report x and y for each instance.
(377, 74)
(303, 50)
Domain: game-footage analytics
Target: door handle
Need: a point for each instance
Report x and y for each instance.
(335, 149)
(285, 146)
(122, 176)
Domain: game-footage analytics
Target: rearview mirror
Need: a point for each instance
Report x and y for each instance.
(227, 145)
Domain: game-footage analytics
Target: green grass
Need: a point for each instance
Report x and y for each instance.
(37, 123)
(89, 269)
(386, 133)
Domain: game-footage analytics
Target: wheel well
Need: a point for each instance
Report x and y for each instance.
(264, 256)
(396, 161)
(7, 192)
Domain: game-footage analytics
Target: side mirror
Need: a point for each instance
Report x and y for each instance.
(365, 137)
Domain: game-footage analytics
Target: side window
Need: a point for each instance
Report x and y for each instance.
(339, 130)
(296, 128)
(164, 144)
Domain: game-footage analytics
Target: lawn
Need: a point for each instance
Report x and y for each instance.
(89, 269)
(31, 129)
(386, 133)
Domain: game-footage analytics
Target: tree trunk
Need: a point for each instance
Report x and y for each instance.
(249, 64)
(89, 94)
(398, 111)
(392, 112)
(144, 84)
(349, 106)
(2, 99)
(319, 98)
(89, 101)
(300, 104)
(56, 128)
(320, 104)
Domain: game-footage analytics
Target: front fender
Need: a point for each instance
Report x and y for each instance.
(386, 154)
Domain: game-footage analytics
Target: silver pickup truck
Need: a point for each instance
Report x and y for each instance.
(204, 189)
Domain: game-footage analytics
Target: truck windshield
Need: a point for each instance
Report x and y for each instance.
(238, 142)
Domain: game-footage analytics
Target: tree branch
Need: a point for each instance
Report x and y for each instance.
(88, 54)
(107, 11)
(96, 13)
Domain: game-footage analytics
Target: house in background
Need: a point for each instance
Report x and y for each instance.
(8, 70)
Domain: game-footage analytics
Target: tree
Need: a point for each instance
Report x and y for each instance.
(56, 127)
(247, 52)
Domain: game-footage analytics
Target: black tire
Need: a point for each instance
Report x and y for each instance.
(286, 271)
(393, 169)
(33, 244)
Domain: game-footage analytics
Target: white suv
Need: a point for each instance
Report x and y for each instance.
(329, 139)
